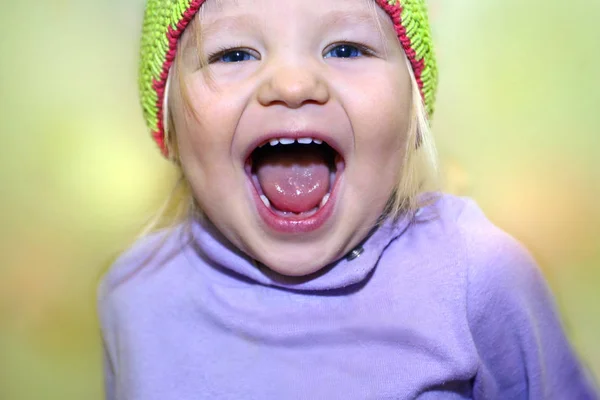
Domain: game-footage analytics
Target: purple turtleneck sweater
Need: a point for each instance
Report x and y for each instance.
(446, 306)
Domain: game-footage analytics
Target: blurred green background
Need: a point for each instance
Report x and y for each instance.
(517, 125)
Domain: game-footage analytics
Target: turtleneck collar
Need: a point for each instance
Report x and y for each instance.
(355, 268)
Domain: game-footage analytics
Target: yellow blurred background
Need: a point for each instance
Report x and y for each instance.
(517, 126)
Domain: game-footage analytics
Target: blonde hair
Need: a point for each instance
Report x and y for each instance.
(419, 170)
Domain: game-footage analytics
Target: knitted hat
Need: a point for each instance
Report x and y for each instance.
(165, 21)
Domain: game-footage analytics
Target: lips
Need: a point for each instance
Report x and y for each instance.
(294, 179)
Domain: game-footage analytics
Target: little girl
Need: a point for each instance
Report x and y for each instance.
(312, 263)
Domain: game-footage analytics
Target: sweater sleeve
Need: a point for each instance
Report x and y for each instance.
(107, 331)
(522, 347)
(116, 299)
(109, 376)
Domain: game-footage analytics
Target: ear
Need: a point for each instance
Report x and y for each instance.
(171, 141)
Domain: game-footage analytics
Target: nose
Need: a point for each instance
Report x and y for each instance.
(293, 86)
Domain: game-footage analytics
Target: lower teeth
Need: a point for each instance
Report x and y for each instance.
(265, 200)
(324, 200)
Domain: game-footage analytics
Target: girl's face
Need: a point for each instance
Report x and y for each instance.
(294, 70)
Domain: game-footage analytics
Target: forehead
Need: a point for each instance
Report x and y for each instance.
(315, 5)
(291, 11)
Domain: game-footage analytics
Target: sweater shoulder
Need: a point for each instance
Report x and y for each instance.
(500, 272)
(495, 259)
(147, 255)
(457, 239)
(485, 246)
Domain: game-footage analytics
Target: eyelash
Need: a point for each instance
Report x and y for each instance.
(220, 52)
(366, 51)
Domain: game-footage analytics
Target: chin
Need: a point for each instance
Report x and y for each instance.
(297, 260)
(295, 269)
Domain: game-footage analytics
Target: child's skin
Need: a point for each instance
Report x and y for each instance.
(293, 80)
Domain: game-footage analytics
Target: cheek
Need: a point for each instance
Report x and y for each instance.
(205, 138)
(381, 124)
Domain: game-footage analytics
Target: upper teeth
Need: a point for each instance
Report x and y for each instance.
(286, 141)
(305, 140)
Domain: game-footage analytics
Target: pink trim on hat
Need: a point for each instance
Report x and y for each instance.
(395, 13)
(159, 86)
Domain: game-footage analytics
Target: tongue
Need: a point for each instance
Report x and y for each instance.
(294, 179)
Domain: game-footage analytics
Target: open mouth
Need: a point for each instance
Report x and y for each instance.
(294, 180)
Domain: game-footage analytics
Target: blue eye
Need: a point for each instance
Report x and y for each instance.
(235, 56)
(344, 51)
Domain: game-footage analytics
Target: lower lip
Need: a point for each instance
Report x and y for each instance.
(297, 224)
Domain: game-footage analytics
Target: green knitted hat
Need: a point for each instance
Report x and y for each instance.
(165, 21)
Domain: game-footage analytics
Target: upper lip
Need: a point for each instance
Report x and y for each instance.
(326, 138)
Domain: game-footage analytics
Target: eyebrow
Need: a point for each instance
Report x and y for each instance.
(229, 23)
(338, 17)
